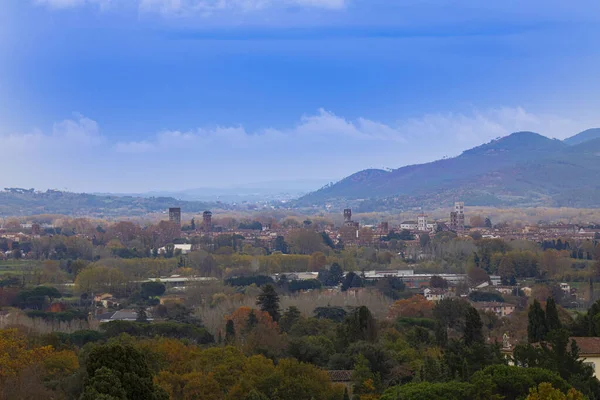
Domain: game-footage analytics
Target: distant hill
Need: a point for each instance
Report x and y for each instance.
(583, 137)
(29, 202)
(522, 169)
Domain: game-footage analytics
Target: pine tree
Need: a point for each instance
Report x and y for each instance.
(268, 301)
(193, 224)
(552, 319)
(289, 318)
(536, 327)
(473, 327)
(142, 316)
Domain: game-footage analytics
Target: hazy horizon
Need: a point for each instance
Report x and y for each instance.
(156, 95)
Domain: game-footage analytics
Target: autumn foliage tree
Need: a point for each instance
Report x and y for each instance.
(416, 306)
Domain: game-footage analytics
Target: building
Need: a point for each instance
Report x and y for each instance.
(348, 219)
(175, 215)
(457, 217)
(184, 248)
(36, 229)
(207, 221)
(422, 222)
(589, 350)
(347, 216)
(409, 225)
(500, 309)
(433, 294)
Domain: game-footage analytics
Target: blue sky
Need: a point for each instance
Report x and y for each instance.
(139, 95)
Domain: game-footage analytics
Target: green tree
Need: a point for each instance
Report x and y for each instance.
(142, 316)
(255, 395)
(268, 301)
(552, 319)
(105, 385)
(362, 377)
(473, 327)
(358, 326)
(536, 327)
(351, 281)
(281, 245)
(289, 318)
(152, 289)
(451, 390)
(129, 365)
(229, 332)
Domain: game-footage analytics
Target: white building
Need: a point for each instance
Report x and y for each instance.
(410, 225)
(435, 294)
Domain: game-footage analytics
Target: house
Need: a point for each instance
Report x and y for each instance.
(433, 294)
(589, 350)
(184, 248)
(505, 289)
(107, 300)
(500, 309)
(496, 280)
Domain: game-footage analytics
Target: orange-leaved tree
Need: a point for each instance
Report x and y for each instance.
(416, 306)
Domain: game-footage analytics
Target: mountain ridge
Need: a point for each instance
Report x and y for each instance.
(517, 169)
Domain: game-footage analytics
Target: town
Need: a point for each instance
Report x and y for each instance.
(72, 275)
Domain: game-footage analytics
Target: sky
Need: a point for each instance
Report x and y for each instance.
(151, 95)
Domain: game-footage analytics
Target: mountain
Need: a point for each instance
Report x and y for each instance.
(17, 202)
(522, 169)
(583, 137)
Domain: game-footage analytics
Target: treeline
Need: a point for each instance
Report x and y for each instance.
(422, 351)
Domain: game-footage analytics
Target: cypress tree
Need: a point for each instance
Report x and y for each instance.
(552, 320)
(536, 327)
(473, 327)
(346, 395)
(229, 332)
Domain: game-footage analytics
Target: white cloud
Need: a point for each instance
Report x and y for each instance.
(189, 7)
(458, 130)
(322, 128)
(78, 133)
(73, 3)
(76, 155)
(483, 125)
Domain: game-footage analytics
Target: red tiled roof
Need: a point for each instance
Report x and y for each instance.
(340, 375)
(587, 345)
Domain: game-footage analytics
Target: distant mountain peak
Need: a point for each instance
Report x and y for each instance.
(517, 141)
(582, 137)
